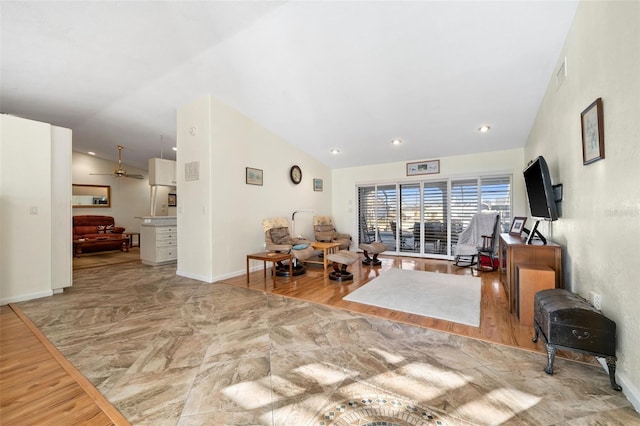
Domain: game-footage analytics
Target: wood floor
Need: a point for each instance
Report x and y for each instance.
(38, 386)
(497, 325)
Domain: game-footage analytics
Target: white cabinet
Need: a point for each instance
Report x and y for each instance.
(162, 172)
(158, 240)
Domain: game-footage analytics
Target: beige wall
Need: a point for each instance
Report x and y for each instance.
(600, 224)
(344, 196)
(130, 198)
(220, 216)
(27, 200)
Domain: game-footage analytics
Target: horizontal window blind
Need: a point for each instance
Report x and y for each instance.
(427, 217)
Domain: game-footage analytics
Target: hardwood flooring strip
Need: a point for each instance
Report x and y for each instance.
(497, 325)
(42, 382)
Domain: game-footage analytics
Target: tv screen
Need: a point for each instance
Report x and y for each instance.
(539, 190)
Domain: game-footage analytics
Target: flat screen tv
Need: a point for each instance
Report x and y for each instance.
(540, 192)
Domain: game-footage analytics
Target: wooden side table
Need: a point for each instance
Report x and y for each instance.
(130, 236)
(273, 258)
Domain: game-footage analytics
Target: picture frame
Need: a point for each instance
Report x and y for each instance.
(172, 200)
(517, 225)
(592, 124)
(317, 185)
(423, 168)
(253, 176)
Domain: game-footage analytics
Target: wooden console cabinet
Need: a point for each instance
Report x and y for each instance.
(513, 251)
(531, 279)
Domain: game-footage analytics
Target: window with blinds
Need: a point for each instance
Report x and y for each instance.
(432, 232)
(464, 204)
(425, 218)
(495, 195)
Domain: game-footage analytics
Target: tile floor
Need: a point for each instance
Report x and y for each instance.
(167, 350)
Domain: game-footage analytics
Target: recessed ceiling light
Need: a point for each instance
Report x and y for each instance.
(484, 129)
(91, 153)
(175, 148)
(396, 142)
(335, 151)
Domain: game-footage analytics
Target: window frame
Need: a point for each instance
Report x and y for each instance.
(491, 190)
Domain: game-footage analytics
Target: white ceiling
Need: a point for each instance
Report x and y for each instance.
(322, 75)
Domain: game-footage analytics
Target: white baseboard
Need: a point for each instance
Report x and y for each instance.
(212, 279)
(628, 388)
(206, 279)
(24, 297)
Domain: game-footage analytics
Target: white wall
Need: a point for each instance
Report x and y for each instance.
(26, 200)
(61, 244)
(230, 143)
(195, 244)
(344, 195)
(130, 198)
(600, 224)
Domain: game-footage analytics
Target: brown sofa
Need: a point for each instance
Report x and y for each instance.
(96, 233)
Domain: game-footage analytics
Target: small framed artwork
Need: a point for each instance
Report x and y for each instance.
(423, 168)
(253, 176)
(317, 184)
(517, 225)
(173, 200)
(592, 123)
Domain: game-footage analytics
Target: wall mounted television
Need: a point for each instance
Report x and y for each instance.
(540, 193)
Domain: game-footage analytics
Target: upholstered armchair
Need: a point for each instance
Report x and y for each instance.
(326, 232)
(278, 239)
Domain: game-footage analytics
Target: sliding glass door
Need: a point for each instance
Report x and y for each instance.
(425, 218)
(432, 232)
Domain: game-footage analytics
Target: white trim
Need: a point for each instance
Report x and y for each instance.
(195, 277)
(25, 297)
(628, 388)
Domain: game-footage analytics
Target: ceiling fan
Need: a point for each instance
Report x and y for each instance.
(119, 172)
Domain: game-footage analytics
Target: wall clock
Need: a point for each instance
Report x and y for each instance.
(296, 174)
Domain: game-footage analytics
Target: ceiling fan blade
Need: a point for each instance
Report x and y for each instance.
(119, 172)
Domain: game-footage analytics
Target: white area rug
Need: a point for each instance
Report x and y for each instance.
(454, 298)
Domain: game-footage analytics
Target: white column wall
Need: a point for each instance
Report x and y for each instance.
(25, 209)
(600, 223)
(61, 243)
(194, 205)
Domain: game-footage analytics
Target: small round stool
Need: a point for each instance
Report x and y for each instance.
(375, 248)
(341, 260)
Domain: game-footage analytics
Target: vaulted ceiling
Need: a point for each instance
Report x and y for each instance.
(322, 75)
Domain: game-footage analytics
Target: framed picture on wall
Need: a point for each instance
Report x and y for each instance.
(317, 184)
(173, 200)
(423, 168)
(253, 176)
(592, 124)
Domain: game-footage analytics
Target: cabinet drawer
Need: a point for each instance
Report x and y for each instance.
(166, 243)
(165, 237)
(166, 253)
(166, 230)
